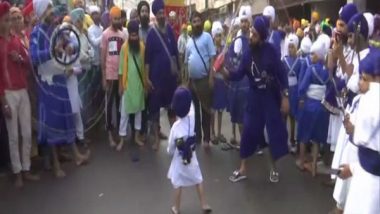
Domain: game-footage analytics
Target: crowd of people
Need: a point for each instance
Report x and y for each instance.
(321, 78)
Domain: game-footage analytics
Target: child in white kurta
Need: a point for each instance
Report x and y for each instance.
(364, 192)
(184, 174)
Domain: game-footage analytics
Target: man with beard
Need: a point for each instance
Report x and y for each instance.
(161, 59)
(267, 100)
(132, 82)
(199, 58)
(112, 40)
(56, 124)
(144, 15)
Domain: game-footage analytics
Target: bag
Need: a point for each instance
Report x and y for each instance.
(173, 60)
(138, 69)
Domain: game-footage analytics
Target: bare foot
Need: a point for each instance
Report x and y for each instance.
(162, 136)
(311, 168)
(111, 141)
(300, 165)
(120, 146)
(206, 209)
(30, 177)
(18, 181)
(138, 140)
(59, 173)
(83, 159)
(206, 145)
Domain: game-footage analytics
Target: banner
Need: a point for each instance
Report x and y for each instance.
(181, 18)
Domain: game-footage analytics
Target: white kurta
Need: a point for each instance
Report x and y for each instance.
(345, 153)
(183, 175)
(364, 194)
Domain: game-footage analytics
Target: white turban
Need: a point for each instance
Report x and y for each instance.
(370, 20)
(217, 28)
(325, 39)
(292, 39)
(270, 12)
(306, 45)
(319, 48)
(93, 9)
(40, 7)
(245, 12)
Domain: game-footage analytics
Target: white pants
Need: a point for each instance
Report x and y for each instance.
(79, 126)
(19, 103)
(124, 119)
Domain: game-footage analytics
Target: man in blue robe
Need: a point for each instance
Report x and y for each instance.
(267, 100)
(161, 61)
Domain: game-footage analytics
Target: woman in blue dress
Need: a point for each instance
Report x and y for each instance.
(314, 118)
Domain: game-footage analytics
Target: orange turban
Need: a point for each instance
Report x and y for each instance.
(315, 16)
(115, 12)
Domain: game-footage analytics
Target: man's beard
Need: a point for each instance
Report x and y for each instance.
(197, 31)
(144, 21)
(134, 45)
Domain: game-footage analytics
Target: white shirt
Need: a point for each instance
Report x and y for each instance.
(95, 37)
(182, 41)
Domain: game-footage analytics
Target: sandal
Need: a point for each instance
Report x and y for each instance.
(274, 176)
(207, 209)
(237, 176)
(174, 210)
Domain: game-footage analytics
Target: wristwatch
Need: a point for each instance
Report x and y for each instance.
(285, 93)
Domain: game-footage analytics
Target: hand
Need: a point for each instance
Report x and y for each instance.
(285, 105)
(15, 56)
(7, 111)
(337, 48)
(69, 72)
(149, 85)
(348, 125)
(301, 104)
(345, 172)
(121, 91)
(350, 70)
(69, 50)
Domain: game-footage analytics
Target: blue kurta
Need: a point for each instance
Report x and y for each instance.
(56, 125)
(313, 121)
(160, 74)
(237, 90)
(266, 80)
(292, 66)
(219, 101)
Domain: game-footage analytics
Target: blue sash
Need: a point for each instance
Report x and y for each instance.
(186, 147)
(370, 160)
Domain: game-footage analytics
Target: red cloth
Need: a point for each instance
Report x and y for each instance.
(4, 8)
(13, 75)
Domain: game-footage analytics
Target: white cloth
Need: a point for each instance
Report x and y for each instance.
(72, 88)
(125, 31)
(86, 52)
(238, 46)
(95, 37)
(40, 6)
(326, 40)
(319, 48)
(364, 193)
(124, 119)
(19, 104)
(353, 81)
(306, 45)
(48, 69)
(370, 20)
(245, 12)
(217, 28)
(316, 92)
(345, 153)
(93, 9)
(182, 41)
(183, 175)
(270, 12)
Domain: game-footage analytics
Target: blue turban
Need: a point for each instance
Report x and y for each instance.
(371, 63)
(347, 12)
(157, 6)
(76, 15)
(260, 24)
(133, 27)
(181, 102)
(355, 22)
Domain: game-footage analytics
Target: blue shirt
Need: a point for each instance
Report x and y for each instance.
(206, 48)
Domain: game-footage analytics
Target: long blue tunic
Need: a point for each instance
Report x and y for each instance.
(266, 80)
(314, 119)
(292, 67)
(237, 90)
(219, 101)
(163, 79)
(56, 125)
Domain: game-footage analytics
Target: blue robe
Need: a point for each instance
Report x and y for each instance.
(219, 101)
(160, 74)
(238, 90)
(313, 121)
(266, 80)
(292, 66)
(55, 118)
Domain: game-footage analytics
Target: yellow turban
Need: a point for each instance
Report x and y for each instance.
(304, 23)
(315, 16)
(300, 33)
(207, 26)
(115, 12)
(189, 29)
